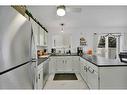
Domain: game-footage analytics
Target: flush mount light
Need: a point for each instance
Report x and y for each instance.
(61, 10)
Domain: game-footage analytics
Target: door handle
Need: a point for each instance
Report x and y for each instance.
(39, 76)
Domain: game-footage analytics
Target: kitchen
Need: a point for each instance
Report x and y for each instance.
(83, 48)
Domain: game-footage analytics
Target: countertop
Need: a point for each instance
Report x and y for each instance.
(62, 54)
(103, 62)
(40, 60)
(94, 59)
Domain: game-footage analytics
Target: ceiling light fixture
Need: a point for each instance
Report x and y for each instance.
(61, 10)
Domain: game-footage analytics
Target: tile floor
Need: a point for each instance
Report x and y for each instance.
(65, 84)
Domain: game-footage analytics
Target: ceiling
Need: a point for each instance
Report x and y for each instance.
(89, 17)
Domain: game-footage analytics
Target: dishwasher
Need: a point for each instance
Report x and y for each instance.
(45, 71)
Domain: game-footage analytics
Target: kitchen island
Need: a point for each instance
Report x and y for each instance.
(102, 73)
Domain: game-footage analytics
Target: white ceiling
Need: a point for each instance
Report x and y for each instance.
(89, 17)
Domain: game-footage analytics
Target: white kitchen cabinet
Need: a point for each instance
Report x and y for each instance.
(75, 64)
(52, 62)
(59, 64)
(64, 64)
(83, 69)
(89, 73)
(113, 77)
(92, 78)
(35, 28)
(40, 79)
(68, 64)
(40, 35)
(45, 71)
(46, 38)
(42, 74)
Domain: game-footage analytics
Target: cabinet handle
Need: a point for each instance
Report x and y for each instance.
(91, 70)
(63, 61)
(39, 76)
(85, 68)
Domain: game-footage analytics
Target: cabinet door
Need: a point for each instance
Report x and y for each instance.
(92, 78)
(75, 64)
(52, 65)
(41, 36)
(83, 69)
(59, 65)
(68, 64)
(35, 27)
(40, 79)
(45, 38)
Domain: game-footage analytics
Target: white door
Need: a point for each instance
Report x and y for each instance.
(68, 64)
(75, 64)
(92, 78)
(41, 36)
(82, 71)
(59, 65)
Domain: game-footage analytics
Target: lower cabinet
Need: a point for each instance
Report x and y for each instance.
(64, 64)
(42, 74)
(40, 79)
(110, 77)
(89, 73)
(92, 78)
(113, 77)
(59, 64)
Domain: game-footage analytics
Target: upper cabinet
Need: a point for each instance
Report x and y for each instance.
(43, 37)
(39, 34)
(46, 39)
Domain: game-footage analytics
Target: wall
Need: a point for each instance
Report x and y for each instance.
(87, 32)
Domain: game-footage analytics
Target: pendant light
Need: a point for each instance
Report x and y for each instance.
(62, 24)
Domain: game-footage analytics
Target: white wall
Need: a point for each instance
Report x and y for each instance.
(87, 33)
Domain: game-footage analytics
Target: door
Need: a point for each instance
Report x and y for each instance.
(83, 68)
(75, 64)
(40, 79)
(92, 78)
(41, 37)
(68, 64)
(59, 65)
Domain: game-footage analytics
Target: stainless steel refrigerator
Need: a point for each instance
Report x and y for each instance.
(16, 67)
